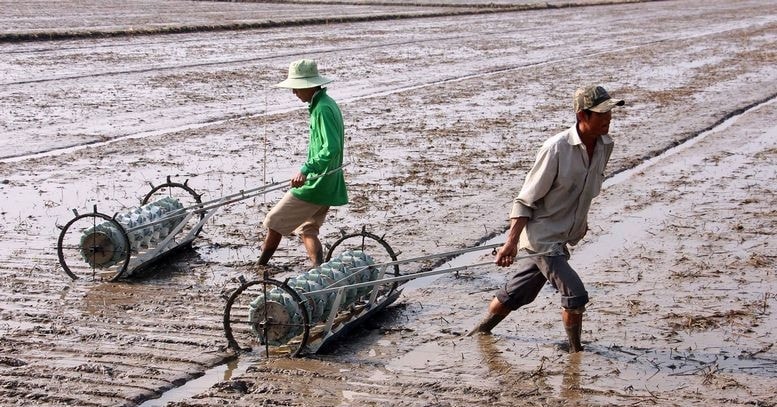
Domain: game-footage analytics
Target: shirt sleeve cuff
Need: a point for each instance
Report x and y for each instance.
(520, 211)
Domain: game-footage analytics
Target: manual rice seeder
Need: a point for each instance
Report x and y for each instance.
(301, 314)
(307, 312)
(170, 217)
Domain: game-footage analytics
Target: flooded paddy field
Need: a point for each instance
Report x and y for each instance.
(443, 115)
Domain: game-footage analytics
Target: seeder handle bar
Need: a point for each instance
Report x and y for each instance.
(228, 199)
(239, 196)
(431, 256)
(407, 277)
(236, 197)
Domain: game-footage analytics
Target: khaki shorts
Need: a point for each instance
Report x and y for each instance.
(294, 216)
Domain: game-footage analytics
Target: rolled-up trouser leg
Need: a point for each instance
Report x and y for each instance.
(564, 279)
(573, 325)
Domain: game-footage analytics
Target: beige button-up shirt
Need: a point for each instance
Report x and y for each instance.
(558, 191)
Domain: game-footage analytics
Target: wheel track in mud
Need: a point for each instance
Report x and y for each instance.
(125, 344)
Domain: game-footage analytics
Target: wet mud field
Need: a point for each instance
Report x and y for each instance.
(443, 115)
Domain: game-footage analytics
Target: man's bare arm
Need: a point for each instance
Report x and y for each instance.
(506, 254)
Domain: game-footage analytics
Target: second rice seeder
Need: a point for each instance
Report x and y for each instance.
(103, 247)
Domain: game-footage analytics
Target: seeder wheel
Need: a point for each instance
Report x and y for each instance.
(266, 315)
(182, 192)
(93, 245)
(373, 245)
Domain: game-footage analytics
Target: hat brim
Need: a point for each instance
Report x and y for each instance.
(607, 105)
(303, 83)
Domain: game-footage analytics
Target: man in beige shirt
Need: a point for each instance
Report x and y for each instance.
(551, 212)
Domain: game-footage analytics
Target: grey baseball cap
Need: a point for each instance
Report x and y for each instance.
(595, 99)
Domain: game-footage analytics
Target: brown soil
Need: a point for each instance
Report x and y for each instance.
(442, 125)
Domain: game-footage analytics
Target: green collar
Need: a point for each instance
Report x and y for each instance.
(316, 97)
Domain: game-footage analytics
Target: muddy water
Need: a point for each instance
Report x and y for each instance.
(633, 364)
(223, 372)
(433, 178)
(634, 361)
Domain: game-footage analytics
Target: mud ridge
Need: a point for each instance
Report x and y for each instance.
(74, 35)
(653, 154)
(509, 6)
(70, 148)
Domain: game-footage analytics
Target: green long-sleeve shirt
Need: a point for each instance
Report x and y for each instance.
(325, 153)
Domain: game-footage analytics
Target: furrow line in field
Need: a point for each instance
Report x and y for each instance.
(64, 376)
(40, 391)
(164, 41)
(339, 49)
(264, 24)
(85, 34)
(651, 157)
(123, 361)
(106, 351)
(233, 61)
(175, 41)
(15, 391)
(103, 368)
(378, 94)
(29, 265)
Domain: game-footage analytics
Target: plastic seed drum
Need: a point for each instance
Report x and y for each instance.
(282, 314)
(103, 245)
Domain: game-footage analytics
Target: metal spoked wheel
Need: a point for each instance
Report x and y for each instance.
(182, 192)
(374, 246)
(266, 316)
(93, 245)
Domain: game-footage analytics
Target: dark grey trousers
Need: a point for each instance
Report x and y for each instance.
(524, 285)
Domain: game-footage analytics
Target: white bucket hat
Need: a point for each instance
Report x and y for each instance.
(303, 74)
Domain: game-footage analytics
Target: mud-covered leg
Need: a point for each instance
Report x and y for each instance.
(573, 324)
(496, 313)
(314, 249)
(271, 242)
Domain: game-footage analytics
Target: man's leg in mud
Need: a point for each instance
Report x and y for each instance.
(573, 324)
(496, 313)
(574, 297)
(314, 249)
(521, 289)
(271, 242)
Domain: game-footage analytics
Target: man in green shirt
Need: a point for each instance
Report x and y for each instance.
(304, 207)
